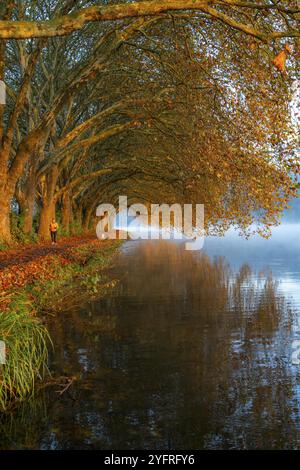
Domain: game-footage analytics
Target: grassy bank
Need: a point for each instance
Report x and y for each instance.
(60, 281)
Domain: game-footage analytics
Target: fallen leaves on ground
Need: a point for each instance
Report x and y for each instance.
(38, 263)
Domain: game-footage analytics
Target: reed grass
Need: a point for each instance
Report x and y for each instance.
(26, 340)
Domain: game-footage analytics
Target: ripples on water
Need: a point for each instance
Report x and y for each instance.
(191, 350)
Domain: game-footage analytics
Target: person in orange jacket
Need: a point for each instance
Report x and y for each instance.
(53, 231)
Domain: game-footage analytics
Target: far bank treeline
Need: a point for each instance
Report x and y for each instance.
(183, 106)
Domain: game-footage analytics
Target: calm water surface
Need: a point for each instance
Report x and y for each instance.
(191, 350)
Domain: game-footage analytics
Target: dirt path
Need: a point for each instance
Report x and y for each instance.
(30, 253)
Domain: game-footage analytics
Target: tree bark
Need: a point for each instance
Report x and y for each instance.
(26, 206)
(26, 200)
(6, 195)
(87, 218)
(66, 24)
(5, 233)
(46, 215)
(28, 212)
(77, 219)
(66, 211)
(78, 216)
(48, 185)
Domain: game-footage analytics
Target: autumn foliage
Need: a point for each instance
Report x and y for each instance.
(193, 106)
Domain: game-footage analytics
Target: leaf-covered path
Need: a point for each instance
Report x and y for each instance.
(34, 252)
(30, 263)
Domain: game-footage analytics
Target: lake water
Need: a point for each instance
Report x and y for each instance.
(191, 350)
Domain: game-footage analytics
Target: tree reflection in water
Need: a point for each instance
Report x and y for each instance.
(184, 353)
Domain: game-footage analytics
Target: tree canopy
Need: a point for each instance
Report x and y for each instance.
(164, 101)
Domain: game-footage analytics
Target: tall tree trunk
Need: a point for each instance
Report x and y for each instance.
(28, 217)
(7, 190)
(87, 218)
(66, 211)
(9, 178)
(48, 185)
(25, 196)
(5, 200)
(46, 215)
(77, 219)
(5, 233)
(28, 213)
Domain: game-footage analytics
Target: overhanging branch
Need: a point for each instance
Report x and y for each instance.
(66, 24)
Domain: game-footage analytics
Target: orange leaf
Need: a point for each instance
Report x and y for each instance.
(280, 61)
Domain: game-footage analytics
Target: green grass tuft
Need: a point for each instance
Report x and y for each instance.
(26, 341)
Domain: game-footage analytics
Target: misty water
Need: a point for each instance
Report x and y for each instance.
(190, 350)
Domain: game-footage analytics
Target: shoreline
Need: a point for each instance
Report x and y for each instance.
(76, 273)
